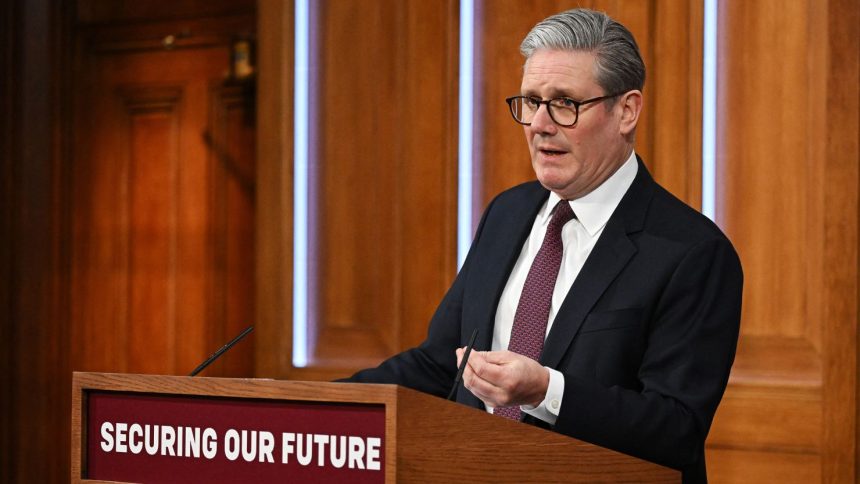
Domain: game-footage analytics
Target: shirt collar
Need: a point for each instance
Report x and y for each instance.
(594, 209)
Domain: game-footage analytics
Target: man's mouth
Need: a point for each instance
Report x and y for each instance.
(549, 152)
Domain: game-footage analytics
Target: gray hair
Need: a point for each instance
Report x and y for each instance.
(619, 64)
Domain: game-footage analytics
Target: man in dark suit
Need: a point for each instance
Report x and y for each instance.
(607, 309)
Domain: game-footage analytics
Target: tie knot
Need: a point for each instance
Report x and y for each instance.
(561, 215)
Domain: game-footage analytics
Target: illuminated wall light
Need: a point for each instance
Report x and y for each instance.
(464, 178)
(709, 110)
(300, 186)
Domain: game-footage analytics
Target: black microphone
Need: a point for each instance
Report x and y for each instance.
(463, 364)
(220, 352)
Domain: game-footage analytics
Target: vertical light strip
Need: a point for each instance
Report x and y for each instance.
(464, 178)
(300, 186)
(709, 110)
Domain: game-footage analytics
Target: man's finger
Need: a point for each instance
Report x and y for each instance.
(489, 368)
(484, 390)
(502, 357)
(477, 370)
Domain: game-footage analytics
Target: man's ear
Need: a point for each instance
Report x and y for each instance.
(631, 106)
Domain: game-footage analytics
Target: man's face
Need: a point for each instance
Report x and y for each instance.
(573, 161)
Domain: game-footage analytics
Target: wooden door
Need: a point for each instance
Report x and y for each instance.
(162, 198)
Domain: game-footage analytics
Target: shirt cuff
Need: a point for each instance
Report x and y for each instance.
(548, 409)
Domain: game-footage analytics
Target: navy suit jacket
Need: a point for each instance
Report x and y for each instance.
(645, 337)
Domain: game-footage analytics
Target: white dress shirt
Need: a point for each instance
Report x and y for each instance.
(578, 236)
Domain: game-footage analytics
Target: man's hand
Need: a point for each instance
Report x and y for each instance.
(504, 378)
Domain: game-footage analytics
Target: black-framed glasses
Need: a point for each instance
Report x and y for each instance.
(564, 111)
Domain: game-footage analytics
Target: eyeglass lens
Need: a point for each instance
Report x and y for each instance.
(562, 110)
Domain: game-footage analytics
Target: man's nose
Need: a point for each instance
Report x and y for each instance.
(542, 122)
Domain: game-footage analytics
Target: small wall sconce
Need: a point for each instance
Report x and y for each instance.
(242, 58)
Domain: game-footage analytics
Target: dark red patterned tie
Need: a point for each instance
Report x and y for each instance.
(532, 316)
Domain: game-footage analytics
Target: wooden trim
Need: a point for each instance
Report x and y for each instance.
(841, 136)
(694, 107)
(79, 426)
(274, 331)
(10, 148)
(182, 34)
(768, 418)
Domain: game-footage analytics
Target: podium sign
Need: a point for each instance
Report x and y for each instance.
(162, 438)
(156, 428)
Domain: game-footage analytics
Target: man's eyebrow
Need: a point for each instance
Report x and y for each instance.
(553, 93)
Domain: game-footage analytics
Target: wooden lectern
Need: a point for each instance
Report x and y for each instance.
(132, 427)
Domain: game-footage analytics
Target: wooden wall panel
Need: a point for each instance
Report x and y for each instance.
(382, 176)
(150, 129)
(669, 134)
(356, 170)
(787, 197)
(162, 206)
(673, 93)
(232, 172)
(776, 259)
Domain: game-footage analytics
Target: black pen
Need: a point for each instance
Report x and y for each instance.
(463, 364)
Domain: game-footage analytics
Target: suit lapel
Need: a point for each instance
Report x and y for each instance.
(501, 248)
(608, 258)
(606, 261)
(501, 243)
